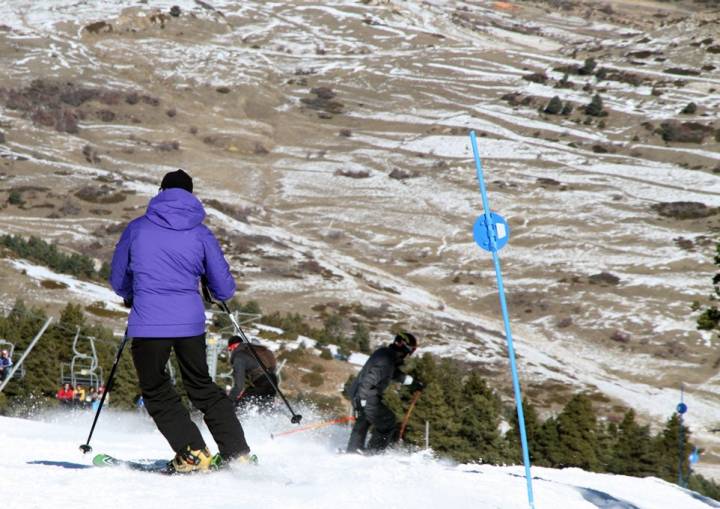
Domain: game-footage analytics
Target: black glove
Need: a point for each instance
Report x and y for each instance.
(417, 385)
(128, 302)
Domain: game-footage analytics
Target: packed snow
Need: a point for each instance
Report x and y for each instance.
(44, 468)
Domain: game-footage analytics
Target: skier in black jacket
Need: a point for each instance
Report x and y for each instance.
(366, 394)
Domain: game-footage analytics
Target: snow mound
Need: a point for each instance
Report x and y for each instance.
(43, 468)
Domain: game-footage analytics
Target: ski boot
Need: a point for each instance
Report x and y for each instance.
(189, 461)
(220, 461)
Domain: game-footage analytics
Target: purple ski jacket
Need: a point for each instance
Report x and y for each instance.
(158, 262)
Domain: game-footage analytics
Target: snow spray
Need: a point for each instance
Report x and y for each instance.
(491, 233)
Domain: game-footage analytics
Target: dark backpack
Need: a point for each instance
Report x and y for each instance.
(264, 354)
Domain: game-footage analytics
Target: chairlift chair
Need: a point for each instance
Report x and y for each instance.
(84, 369)
(10, 347)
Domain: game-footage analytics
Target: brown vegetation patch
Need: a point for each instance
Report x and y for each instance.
(685, 132)
(313, 267)
(604, 278)
(323, 101)
(626, 77)
(620, 337)
(112, 229)
(643, 53)
(378, 286)
(69, 208)
(682, 71)
(536, 77)
(99, 309)
(684, 210)
(52, 284)
(354, 174)
(54, 103)
(100, 194)
(91, 155)
(547, 182)
(98, 27)
(240, 213)
(399, 174)
(517, 99)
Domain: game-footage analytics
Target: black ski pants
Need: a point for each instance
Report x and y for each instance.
(163, 403)
(382, 420)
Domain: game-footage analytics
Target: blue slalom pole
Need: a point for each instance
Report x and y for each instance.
(681, 409)
(491, 233)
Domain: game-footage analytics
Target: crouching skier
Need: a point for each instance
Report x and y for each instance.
(156, 269)
(251, 385)
(367, 390)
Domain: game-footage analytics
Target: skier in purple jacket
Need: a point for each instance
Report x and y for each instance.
(156, 269)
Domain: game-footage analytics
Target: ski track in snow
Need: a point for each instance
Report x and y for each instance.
(43, 468)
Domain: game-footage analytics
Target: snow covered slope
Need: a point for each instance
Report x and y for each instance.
(43, 468)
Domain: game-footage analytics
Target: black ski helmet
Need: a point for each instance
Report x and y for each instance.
(406, 342)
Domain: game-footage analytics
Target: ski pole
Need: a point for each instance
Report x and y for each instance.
(296, 418)
(317, 425)
(85, 448)
(415, 397)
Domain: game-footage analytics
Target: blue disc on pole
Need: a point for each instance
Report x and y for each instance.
(694, 456)
(681, 408)
(500, 231)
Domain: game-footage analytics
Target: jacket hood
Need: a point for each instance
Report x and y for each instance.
(176, 209)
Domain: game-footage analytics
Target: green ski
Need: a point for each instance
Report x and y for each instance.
(157, 466)
(154, 466)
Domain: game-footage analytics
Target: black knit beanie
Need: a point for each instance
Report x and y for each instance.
(177, 179)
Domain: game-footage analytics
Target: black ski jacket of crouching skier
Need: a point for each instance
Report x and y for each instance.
(366, 394)
(381, 368)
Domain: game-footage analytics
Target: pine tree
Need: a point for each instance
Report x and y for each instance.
(667, 454)
(532, 431)
(633, 452)
(437, 405)
(595, 108)
(361, 337)
(577, 426)
(607, 442)
(709, 319)
(554, 107)
(588, 67)
(548, 451)
(479, 422)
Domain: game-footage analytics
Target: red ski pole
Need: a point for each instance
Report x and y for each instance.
(317, 425)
